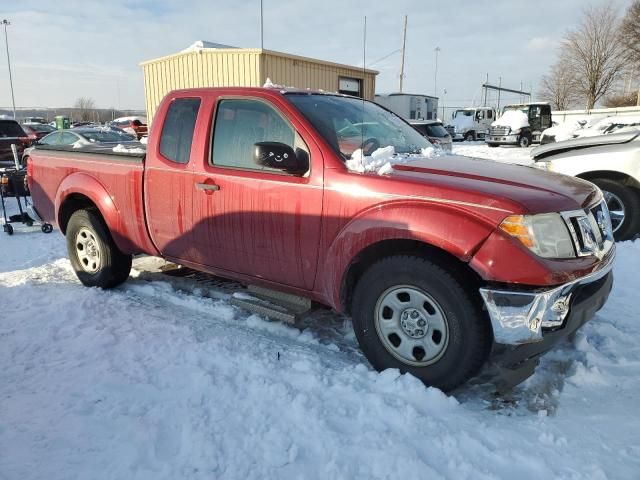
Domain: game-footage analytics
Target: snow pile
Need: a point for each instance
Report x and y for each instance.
(381, 161)
(512, 118)
(144, 140)
(120, 148)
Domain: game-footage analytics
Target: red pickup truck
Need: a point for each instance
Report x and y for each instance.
(444, 263)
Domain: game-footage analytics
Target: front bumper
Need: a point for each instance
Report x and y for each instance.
(525, 316)
(502, 139)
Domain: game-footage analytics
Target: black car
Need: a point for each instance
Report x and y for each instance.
(11, 133)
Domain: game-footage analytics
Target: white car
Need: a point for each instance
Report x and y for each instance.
(582, 128)
(612, 162)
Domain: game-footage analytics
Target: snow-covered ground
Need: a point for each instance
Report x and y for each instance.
(149, 382)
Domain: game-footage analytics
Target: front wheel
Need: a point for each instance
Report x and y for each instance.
(524, 141)
(94, 255)
(470, 137)
(624, 207)
(492, 145)
(413, 315)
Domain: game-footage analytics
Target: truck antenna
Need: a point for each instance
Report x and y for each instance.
(364, 78)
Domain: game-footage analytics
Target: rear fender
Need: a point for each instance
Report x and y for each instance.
(89, 187)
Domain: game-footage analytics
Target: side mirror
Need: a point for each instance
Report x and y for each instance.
(280, 156)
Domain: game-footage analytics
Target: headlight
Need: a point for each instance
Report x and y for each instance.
(543, 166)
(545, 234)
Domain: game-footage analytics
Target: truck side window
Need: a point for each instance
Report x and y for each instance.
(240, 123)
(177, 132)
(489, 114)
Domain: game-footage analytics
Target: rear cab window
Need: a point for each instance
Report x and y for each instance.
(178, 129)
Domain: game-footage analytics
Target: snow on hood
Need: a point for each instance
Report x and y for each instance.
(381, 161)
(512, 118)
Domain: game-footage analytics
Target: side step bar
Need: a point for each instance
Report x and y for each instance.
(281, 306)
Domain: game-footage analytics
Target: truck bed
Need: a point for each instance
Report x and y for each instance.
(102, 176)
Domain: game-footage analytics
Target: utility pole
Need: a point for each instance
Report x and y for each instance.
(261, 27)
(404, 42)
(499, 90)
(6, 22)
(435, 75)
(485, 90)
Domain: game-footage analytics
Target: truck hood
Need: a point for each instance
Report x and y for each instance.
(512, 118)
(514, 188)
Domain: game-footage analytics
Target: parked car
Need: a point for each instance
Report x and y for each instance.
(434, 131)
(85, 124)
(78, 137)
(612, 162)
(520, 124)
(11, 133)
(35, 131)
(444, 263)
(590, 128)
(133, 125)
(26, 120)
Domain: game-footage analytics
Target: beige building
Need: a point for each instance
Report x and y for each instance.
(223, 66)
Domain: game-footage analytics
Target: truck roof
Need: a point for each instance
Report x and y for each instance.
(271, 88)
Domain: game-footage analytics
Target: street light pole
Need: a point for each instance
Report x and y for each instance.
(6, 22)
(435, 76)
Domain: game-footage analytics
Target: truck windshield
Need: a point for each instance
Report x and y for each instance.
(348, 124)
(463, 113)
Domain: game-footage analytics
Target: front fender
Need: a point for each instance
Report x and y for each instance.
(449, 228)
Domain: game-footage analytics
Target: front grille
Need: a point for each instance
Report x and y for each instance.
(499, 131)
(590, 229)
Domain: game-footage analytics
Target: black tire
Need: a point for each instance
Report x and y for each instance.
(524, 141)
(8, 229)
(470, 137)
(111, 266)
(468, 336)
(46, 228)
(630, 199)
(492, 145)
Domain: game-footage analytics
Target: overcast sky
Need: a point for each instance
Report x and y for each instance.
(65, 49)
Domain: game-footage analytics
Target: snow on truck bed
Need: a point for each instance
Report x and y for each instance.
(148, 382)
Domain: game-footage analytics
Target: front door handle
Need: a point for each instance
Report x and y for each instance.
(207, 187)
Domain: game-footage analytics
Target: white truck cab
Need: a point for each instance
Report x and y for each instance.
(471, 123)
(520, 124)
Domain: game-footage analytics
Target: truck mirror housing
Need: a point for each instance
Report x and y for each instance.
(280, 156)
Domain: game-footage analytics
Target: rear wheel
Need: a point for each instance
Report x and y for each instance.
(624, 206)
(413, 315)
(94, 256)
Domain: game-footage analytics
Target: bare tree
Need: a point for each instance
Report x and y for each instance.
(630, 33)
(85, 107)
(594, 52)
(559, 86)
(620, 100)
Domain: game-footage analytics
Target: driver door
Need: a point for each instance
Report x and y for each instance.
(251, 219)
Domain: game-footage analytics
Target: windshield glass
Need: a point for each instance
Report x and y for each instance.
(436, 130)
(463, 113)
(105, 136)
(348, 123)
